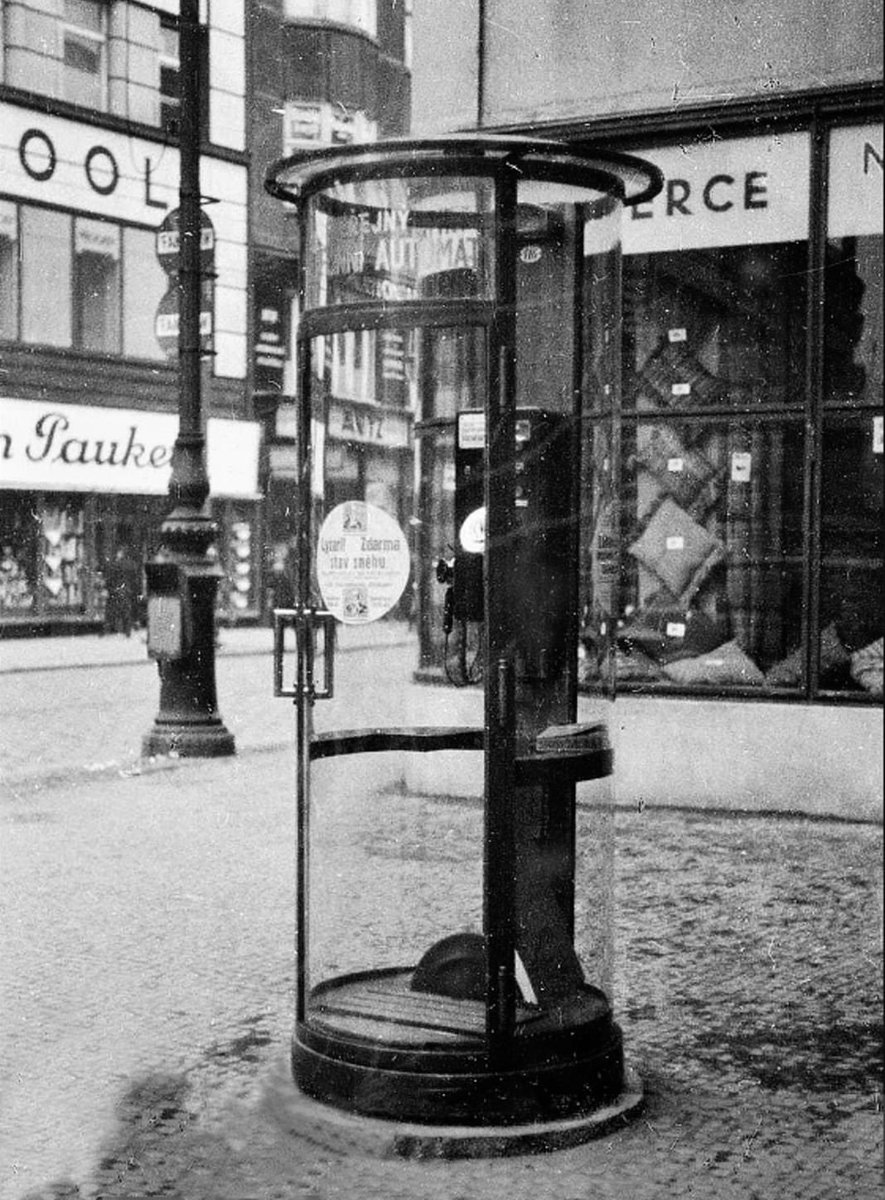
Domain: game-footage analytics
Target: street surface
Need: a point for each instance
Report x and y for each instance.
(146, 972)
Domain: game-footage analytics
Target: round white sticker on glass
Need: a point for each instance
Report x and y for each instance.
(362, 562)
(472, 534)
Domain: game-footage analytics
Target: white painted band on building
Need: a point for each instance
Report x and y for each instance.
(46, 446)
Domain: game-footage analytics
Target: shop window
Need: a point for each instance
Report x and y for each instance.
(96, 286)
(713, 565)
(144, 284)
(62, 561)
(849, 654)
(238, 595)
(19, 533)
(8, 270)
(46, 277)
(83, 52)
(854, 275)
(851, 548)
(712, 568)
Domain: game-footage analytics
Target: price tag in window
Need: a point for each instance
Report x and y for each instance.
(675, 629)
(676, 465)
(677, 335)
(877, 435)
(681, 389)
(741, 466)
(676, 542)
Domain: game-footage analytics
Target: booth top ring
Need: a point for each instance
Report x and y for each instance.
(631, 179)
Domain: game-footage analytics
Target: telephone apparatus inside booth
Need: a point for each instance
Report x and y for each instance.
(545, 542)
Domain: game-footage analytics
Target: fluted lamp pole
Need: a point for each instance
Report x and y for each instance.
(183, 577)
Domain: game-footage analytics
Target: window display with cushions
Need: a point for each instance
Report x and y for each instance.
(750, 438)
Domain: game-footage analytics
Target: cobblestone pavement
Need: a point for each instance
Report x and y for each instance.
(146, 985)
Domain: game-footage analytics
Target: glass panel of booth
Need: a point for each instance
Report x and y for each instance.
(389, 848)
(401, 239)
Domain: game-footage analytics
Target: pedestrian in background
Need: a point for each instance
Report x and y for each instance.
(281, 581)
(122, 580)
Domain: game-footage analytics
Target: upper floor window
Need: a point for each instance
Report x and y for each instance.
(308, 123)
(8, 269)
(78, 282)
(361, 14)
(83, 52)
(170, 72)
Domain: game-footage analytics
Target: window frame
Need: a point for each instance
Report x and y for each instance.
(71, 30)
(73, 215)
(818, 116)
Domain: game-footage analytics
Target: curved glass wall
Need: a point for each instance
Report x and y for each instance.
(460, 372)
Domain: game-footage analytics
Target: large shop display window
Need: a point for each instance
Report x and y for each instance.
(851, 451)
(43, 560)
(721, 586)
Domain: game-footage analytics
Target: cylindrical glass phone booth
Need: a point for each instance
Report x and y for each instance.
(459, 365)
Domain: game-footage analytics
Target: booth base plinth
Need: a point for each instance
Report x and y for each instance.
(294, 1110)
(373, 1047)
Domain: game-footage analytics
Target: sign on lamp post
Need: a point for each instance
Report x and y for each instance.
(167, 243)
(167, 322)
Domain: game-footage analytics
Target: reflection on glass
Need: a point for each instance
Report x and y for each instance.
(392, 239)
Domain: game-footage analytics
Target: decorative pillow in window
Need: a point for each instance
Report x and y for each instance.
(679, 472)
(679, 551)
(667, 634)
(634, 666)
(727, 664)
(834, 659)
(678, 377)
(866, 667)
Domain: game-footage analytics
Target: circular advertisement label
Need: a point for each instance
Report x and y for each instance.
(363, 562)
(472, 534)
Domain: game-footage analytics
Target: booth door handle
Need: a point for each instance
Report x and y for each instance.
(306, 622)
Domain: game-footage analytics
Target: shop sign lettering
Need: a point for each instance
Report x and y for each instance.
(718, 194)
(50, 443)
(361, 423)
(745, 191)
(855, 187)
(86, 448)
(39, 158)
(53, 439)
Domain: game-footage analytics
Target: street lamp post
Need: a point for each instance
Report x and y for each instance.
(181, 620)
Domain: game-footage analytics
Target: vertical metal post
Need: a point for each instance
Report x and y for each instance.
(188, 723)
(499, 884)
(306, 451)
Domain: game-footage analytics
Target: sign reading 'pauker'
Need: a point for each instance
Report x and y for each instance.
(84, 448)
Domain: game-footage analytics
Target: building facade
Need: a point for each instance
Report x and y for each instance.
(323, 72)
(88, 304)
(742, 560)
